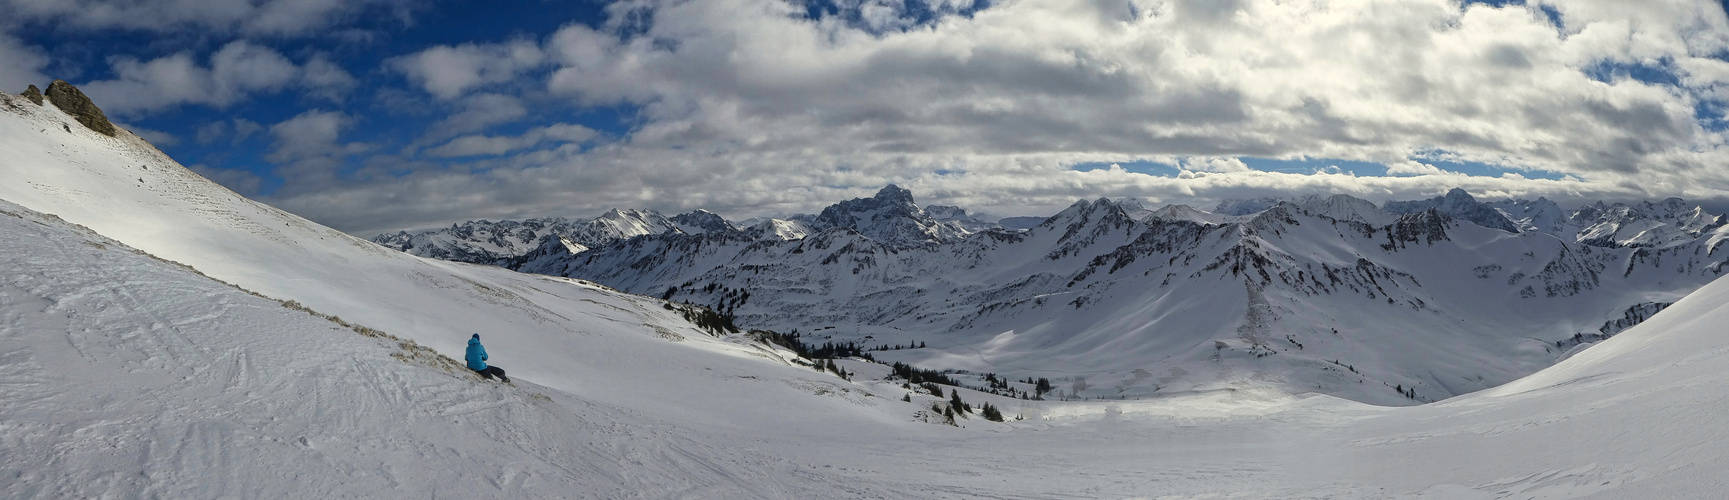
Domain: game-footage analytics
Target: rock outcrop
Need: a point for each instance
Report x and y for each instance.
(33, 94)
(75, 103)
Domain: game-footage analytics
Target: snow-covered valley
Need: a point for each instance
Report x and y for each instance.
(129, 375)
(1324, 294)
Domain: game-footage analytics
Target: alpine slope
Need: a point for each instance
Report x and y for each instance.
(161, 336)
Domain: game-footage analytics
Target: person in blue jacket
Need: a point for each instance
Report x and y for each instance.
(477, 360)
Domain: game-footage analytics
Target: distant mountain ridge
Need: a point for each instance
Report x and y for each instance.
(889, 216)
(1284, 290)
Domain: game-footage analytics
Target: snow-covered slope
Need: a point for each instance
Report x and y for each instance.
(564, 334)
(122, 375)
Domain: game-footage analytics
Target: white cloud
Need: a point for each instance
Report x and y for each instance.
(745, 104)
(262, 17)
(23, 65)
(448, 72)
(1354, 80)
(326, 79)
(1410, 167)
(482, 145)
(308, 135)
(308, 149)
(1216, 164)
(478, 112)
(235, 72)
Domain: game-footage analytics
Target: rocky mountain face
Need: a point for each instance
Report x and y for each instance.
(499, 243)
(1329, 294)
(1459, 205)
(891, 218)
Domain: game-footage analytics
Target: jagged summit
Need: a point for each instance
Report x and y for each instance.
(894, 194)
(702, 222)
(890, 217)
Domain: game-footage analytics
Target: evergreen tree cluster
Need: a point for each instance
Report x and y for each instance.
(830, 366)
(828, 350)
(707, 319)
(897, 347)
(991, 413)
(955, 401)
(1040, 386)
(919, 376)
(730, 298)
(1001, 386)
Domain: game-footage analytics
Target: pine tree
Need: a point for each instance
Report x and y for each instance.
(955, 401)
(991, 413)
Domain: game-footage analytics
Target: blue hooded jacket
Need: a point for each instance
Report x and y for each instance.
(476, 354)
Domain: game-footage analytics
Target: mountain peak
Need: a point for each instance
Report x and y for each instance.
(702, 221)
(894, 194)
(890, 218)
(1458, 204)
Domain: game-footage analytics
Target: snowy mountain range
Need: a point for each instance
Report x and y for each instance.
(161, 336)
(890, 217)
(1187, 300)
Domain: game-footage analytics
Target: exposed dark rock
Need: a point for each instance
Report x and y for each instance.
(75, 103)
(33, 94)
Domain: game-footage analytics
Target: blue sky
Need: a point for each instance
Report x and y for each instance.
(378, 115)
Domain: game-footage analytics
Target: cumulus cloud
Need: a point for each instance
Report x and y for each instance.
(23, 65)
(744, 104)
(308, 135)
(449, 71)
(1411, 167)
(264, 17)
(1354, 80)
(308, 149)
(481, 145)
(233, 73)
(478, 112)
(1216, 165)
